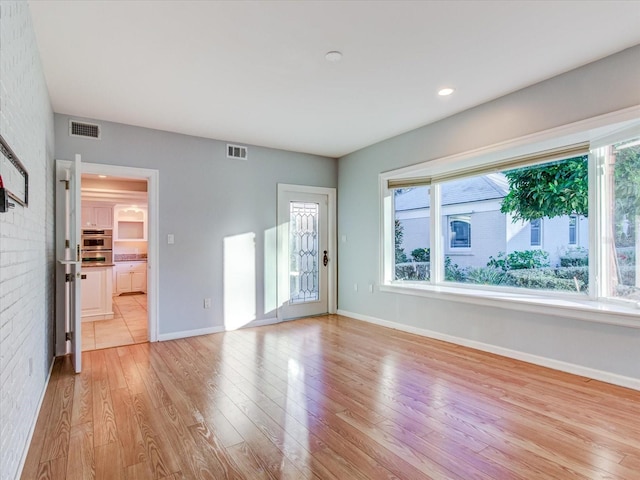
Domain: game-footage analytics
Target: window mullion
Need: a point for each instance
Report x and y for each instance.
(599, 244)
(437, 237)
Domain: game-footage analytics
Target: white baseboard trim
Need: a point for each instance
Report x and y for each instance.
(608, 377)
(32, 429)
(162, 337)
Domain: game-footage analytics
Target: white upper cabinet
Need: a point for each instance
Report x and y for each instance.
(97, 216)
(130, 223)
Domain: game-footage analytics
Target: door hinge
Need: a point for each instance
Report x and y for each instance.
(66, 184)
(69, 336)
(68, 277)
(66, 244)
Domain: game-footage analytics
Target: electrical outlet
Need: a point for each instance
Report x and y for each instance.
(207, 303)
(171, 239)
(371, 288)
(355, 287)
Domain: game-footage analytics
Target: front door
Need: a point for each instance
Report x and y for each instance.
(306, 258)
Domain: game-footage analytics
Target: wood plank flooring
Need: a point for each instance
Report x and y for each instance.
(327, 398)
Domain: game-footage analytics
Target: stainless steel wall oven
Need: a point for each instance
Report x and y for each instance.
(97, 247)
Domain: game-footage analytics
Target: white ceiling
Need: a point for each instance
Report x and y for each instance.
(255, 72)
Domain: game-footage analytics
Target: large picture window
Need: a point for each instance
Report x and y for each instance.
(483, 225)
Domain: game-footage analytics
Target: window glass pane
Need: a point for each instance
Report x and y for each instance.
(625, 160)
(303, 248)
(412, 244)
(492, 221)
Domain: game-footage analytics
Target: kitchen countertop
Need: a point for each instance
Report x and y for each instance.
(95, 265)
(129, 257)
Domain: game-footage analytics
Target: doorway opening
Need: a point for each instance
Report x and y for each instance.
(114, 250)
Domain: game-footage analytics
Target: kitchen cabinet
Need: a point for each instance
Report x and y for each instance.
(96, 290)
(97, 216)
(131, 277)
(130, 223)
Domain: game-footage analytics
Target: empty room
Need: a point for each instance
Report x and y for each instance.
(319, 239)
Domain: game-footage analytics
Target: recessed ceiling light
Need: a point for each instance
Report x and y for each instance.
(445, 92)
(333, 56)
(102, 176)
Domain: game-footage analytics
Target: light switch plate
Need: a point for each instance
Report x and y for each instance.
(171, 239)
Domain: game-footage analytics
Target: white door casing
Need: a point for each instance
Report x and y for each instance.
(66, 262)
(306, 236)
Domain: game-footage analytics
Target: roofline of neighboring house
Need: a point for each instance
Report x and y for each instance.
(450, 203)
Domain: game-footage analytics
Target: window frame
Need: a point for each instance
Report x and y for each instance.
(595, 306)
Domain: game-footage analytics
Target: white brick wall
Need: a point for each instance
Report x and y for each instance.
(26, 237)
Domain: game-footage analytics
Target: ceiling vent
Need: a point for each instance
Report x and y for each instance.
(236, 151)
(83, 129)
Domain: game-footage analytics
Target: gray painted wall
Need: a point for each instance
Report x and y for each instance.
(204, 197)
(605, 86)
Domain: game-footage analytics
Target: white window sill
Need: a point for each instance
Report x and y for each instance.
(567, 307)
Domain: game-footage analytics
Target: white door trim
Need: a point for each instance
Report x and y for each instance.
(282, 282)
(153, 198)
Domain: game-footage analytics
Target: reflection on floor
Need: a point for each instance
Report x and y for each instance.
(128, 326)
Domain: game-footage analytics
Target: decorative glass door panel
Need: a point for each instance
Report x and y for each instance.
(304, 252)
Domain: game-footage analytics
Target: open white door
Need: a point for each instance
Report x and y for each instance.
(68, 253)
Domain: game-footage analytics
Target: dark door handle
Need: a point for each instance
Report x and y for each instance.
(325, 260)
(83, 276)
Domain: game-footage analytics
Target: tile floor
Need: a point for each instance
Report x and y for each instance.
(129, 325)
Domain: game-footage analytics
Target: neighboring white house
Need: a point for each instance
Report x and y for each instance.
(475, 228)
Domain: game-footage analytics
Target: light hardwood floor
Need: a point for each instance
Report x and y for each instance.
(128, 326)
(330, 398)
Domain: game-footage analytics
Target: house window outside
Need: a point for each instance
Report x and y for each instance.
(573, 230)
(535, 232)
(459, 231)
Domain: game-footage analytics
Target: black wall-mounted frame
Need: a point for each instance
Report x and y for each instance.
(9, 160)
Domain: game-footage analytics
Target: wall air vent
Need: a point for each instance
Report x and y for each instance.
(236, 151)
(84, 129)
